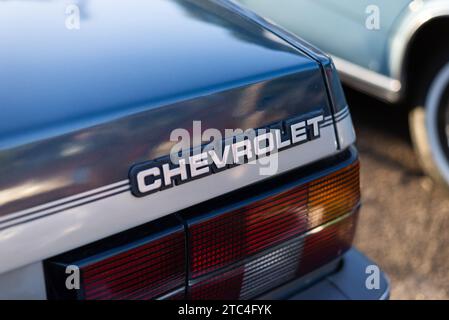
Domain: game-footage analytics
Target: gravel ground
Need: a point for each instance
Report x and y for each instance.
(404, 221)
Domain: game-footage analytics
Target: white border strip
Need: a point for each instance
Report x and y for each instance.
(58, 203)
(64, 206)
(53, 234)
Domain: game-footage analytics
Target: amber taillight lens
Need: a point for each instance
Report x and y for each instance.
(243, 252)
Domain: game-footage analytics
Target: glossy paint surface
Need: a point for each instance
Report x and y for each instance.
(81, 106)
(126, 54)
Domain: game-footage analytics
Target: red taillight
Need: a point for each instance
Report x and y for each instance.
(245, 231)
(280, 237)
(148, 268)
(145, 272)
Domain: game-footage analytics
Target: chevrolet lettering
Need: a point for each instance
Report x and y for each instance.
(156, 175)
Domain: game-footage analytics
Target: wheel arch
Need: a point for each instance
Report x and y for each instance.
(409, 44)
(420, 51)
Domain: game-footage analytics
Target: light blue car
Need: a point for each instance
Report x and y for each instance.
(397, 51)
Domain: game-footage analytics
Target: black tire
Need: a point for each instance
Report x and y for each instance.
(429, 119)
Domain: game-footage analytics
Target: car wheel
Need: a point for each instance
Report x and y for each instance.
(429, 126)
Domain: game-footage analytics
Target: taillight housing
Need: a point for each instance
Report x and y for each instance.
(149, 267)
(242, 252)
(238, 246)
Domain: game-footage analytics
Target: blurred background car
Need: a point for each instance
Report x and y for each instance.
(391, 50)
